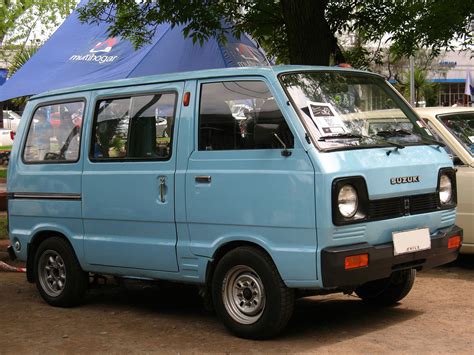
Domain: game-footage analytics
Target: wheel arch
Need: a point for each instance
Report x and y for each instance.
(39, 237)
(225, 248)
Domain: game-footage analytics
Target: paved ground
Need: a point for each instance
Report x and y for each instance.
(436, 317)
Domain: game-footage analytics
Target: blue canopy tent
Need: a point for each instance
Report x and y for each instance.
(80, 53)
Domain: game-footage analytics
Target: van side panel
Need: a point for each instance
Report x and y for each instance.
(129, 205)
(44, 197)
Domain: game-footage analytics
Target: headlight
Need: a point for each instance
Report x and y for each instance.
(445, 189)
(347, 201)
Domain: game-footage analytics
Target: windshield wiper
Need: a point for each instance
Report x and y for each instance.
(403, 132)
(360, 136)
(339, 136)
(386, 141)
(427, 140)
(394, 133)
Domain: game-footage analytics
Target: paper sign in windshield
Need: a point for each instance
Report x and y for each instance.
(471, 138)
(326, 119)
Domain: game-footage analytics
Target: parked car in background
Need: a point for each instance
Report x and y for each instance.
(6, 137)
(455, 127)
(11, 120)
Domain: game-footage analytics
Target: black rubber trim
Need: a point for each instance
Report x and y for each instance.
(382, 261)
(44, 196)
(451, 173)
(359, 184)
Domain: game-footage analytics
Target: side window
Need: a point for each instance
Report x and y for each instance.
(241, 115)
(134, 128)
(438, 137)
(54, 134)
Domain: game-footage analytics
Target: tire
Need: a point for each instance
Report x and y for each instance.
(249, 295)
(386, 292)
(59, 277)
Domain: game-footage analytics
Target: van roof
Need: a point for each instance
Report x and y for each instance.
(192, 75)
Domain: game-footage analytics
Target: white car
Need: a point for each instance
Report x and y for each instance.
(455, 127)
(11, 120)
(6, 137)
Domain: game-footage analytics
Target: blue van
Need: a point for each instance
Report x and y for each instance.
(258, 185)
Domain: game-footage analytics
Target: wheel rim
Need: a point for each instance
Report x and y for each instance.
(243, 294)
(52, 273)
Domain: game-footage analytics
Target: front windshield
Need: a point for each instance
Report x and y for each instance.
(461, 126)
(352, 110)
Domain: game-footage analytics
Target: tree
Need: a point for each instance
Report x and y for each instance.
(297, 32)
(24, 20)
(423, 88)
(17, 62)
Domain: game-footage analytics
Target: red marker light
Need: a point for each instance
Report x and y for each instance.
(356, 261)
(12, 135)
(186, 98)
(454, 242)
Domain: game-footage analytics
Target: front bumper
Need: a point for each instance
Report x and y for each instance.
(382, 261)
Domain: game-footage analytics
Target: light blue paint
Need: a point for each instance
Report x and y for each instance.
(282, 204)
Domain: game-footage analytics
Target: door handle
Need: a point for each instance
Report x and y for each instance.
(162, 189)
(203, 179)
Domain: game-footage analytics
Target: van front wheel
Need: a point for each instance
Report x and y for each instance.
(59, 277)
(389, 291)
(249, 295)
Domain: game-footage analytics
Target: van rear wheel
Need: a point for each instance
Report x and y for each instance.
(389, 291)
(249, 295)
(59, 277)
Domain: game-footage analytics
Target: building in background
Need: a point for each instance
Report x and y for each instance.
(450, 72)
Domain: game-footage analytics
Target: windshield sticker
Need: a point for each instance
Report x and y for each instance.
(326, 119)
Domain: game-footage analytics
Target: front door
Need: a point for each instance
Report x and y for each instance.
(249, 178)
(128, 180)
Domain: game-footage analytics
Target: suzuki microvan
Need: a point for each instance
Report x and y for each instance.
(167, 178)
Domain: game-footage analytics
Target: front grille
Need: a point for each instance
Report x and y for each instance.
(402, 206)
(423, 203)
(385, 208)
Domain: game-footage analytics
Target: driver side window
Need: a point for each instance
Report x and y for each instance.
(241, 115)
(54, 134)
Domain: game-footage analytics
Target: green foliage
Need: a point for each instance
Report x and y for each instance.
(409, 24)
(3, 227)
(424, 90)
(20, 58)
(361, 57)
(27, 21)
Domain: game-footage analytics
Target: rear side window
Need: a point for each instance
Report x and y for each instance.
(134, 128)
(237, 115)
(54, 134)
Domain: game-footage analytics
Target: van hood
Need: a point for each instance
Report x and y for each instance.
(409, 171)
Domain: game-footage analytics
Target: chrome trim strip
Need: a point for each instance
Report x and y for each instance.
(45, 196)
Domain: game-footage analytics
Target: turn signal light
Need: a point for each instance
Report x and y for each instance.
(454, 242)
(356, 261)
(186, 98)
